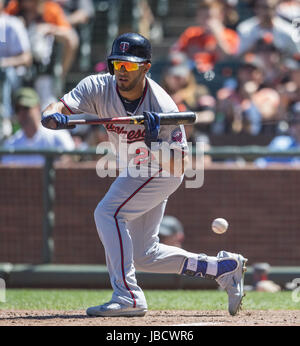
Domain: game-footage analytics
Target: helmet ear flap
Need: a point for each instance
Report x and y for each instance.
(110, 67)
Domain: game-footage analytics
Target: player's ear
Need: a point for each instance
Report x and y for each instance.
(147, 67)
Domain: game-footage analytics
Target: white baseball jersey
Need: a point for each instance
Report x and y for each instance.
(98, 94)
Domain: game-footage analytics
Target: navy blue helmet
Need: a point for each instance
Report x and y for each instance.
(129, 47)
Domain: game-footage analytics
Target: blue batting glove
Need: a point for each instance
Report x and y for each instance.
(152, 126)
(61, 121)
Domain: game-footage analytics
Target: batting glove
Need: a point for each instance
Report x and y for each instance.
(61, 121)
(152, 126)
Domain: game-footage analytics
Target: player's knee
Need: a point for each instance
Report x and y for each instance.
(100, 212)
(103, 211)
(142, 261)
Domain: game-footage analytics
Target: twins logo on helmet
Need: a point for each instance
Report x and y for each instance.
(124, 46)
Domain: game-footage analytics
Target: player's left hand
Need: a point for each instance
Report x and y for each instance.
(56, 121)
(152, 126)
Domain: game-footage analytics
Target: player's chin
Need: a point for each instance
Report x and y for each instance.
(124, 85)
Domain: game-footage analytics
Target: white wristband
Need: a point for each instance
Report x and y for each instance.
(45, 113)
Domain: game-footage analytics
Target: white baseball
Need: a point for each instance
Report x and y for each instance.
(219, 225)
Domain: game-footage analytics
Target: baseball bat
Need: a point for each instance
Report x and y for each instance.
(165, 119)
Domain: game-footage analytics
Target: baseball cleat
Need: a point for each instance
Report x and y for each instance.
(112, 309)
(233, 282)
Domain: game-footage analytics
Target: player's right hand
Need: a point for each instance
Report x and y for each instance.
(56, 121)
(152, 126)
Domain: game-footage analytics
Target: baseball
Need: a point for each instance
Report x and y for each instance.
(219, 226)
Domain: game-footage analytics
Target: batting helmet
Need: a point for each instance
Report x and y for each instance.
(129, 47)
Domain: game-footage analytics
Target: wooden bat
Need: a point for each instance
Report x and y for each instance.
(165, 119)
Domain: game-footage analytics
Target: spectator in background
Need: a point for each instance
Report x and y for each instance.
(14, 55)
(32, 135)
(261, 283)
(77, 11)
(146, 18)
(289, 89)
(267, 24)
(231, 13)
(149, 26)
(210, 41)
(267, 103)
(236, 112)
(171, 231)
(284, 142)
(271, 59)
(45, 22)
(178, 77)
(280, 85)
(80, 14)
(180, 83)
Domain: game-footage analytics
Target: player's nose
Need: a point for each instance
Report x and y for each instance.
(123, 69)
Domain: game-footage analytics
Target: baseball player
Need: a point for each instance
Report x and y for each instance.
(129, 215)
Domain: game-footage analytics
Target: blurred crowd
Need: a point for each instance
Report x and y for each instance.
(236, 66)
(254, 64)
(39, 43)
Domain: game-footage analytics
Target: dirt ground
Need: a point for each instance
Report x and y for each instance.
(152, 318)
